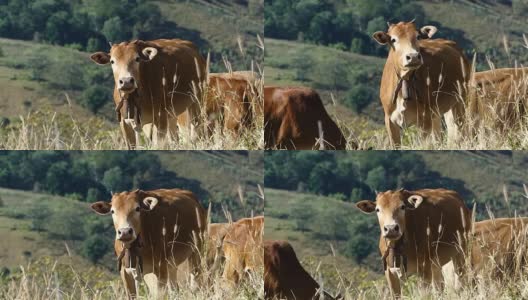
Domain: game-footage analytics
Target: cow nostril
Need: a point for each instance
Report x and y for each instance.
(396, 227)
(419, 56)
(385, 228)
(131, 80)
(130, 231)
(119, 232)
(120, 81)
(408, 57)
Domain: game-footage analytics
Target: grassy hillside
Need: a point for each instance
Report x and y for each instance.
(488, 28)
(318, 256)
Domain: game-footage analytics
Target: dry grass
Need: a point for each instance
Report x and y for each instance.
(48, 130)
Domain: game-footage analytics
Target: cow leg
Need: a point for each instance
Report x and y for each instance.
(394, 132)
(394, 284)
(129, 134)
(453, 133)
(433, 275)
(129, 283)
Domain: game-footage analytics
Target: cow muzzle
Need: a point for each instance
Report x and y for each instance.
(127, 84)
(126, 234)
(392, 232)
(412, 60)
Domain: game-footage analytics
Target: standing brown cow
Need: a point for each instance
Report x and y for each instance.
(296, 119)
(284, 276)
(230, 100)
(500, 98)
(154, 83)
(242, 247)
(499, 246)
(422, 80)
(420, 232)
(163, 228)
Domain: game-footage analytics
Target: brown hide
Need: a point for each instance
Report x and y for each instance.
(229, 101)
(285, 277)
(499, 246)
(291, 116)
(242, 248)
(501, 94)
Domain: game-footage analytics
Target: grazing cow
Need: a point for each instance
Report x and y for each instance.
(242, 248)
(295, 118)
(229, 101)
(498, 246)
(422, 80)
(154, 83)
(499, 98)
(215, 239)
(420, 232)
(284, 276)
(161, 228)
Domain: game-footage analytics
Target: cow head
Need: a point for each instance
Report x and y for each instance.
(126, 209)
(403, 40)
(125, 59)
(391, 207)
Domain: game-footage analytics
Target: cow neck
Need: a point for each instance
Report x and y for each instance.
(395, 255)
(130, 256)
(406, 85)
(130, 105)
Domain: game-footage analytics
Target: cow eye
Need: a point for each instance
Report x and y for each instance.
(112, 211)
(377, 209)
(402, 207)
(137, 59)
(393, 40)
(112, 61)
(137, 208)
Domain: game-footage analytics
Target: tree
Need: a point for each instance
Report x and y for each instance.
(115, 30)
(114, 180)
(94, 248)
(95, 97)
(359, 97)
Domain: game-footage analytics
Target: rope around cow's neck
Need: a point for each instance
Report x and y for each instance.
(131, 253)
(405, 86)
(394, 256)
(128, 101)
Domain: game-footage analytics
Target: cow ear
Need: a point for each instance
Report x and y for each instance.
(381, 37)
(366, 206)
(149, 53)
(100, 58)
(149, 203)
(427, 32)
(414, 201)
(101, 207)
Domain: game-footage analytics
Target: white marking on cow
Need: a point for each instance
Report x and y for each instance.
(397, 116)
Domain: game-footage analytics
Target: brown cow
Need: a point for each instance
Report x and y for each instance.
(285, 277)
(499, 246)
(162, 225)
(229, 100)
(500, 97)
(157, 78)
(292, 116)
(422, 80)
(215, 238)
(420, 232)
(242, 248)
